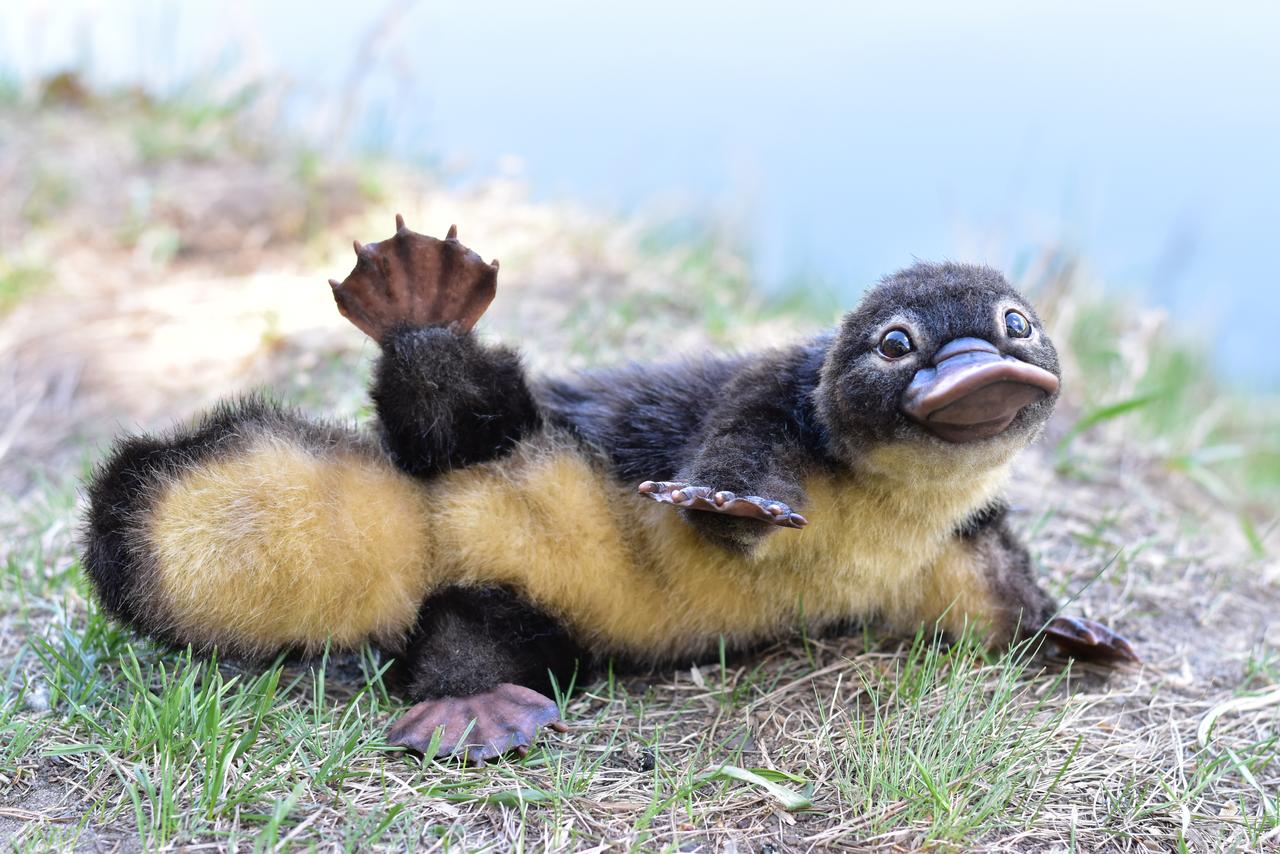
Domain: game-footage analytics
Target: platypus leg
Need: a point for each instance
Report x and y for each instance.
(984, 580)
(411, 279)
(712, 500)
(754, 452)
(480, 662)
(444, 398)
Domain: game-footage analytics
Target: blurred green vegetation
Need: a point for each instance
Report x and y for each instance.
(192, 124)
(10, 89)
(1161, 384)
(50, 194)
(19, 281)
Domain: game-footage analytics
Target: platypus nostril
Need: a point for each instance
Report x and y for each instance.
(962, 345)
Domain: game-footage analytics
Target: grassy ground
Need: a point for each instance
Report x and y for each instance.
(157, 256)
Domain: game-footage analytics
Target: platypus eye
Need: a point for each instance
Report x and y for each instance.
(1016, 325)
(895, 344)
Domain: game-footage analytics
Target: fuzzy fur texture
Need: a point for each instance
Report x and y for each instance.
(501, 537)
(630, 577)
(468, 639)
(126, 562)
(281, 546)
(747, 426)
(445, 400)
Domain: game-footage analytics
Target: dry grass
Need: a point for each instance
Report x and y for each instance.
(875, 743)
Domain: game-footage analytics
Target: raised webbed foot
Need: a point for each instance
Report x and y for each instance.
(721, 501)
(505, 719)
(1089, 641)
(415, 280)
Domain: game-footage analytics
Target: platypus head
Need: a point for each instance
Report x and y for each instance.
(940, 353)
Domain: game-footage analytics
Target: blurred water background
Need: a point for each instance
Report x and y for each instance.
(840, 141)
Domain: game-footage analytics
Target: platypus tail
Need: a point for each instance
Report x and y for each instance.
(258, 532)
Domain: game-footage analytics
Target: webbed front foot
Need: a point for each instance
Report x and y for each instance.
(411, 279)
(1089, 641)
(693, 497)
(505, 719)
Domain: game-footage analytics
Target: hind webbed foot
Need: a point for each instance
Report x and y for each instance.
(411, 279)
(506, 719)
(1089, 641)
(690, 497)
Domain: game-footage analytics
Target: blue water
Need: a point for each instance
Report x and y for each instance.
(844, 141)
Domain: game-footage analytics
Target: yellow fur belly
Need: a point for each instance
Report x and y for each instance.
(630, 576)
(283, 547)
(279, 547)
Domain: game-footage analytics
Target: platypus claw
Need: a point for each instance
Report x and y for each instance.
(411, 279)
(691, 497)
(1090, 641)
(505, 719)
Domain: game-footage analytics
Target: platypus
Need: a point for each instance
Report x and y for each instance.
(498, 533)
